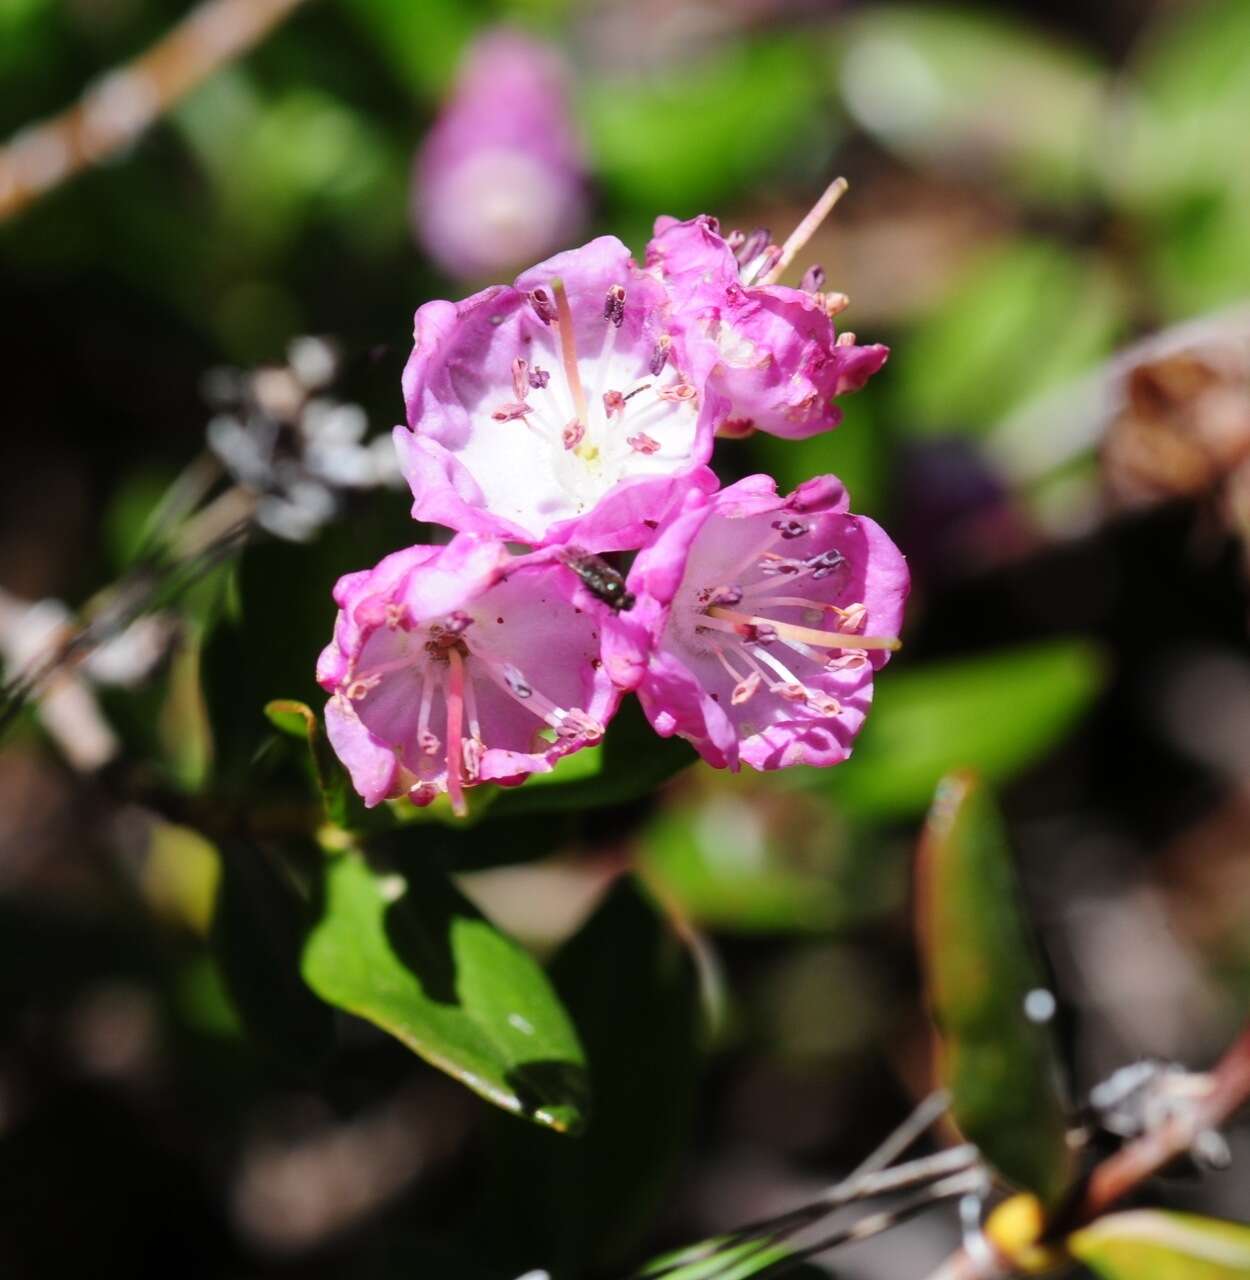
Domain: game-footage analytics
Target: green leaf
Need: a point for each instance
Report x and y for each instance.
(955, 89)
(997, 714)
(678, 141)
(631, 985)
(1032, 315)
(298, 720)
(981, 966)
(409, 953)
(756, 857)
(1149, 1244)
(258, 932)
(734, 1262)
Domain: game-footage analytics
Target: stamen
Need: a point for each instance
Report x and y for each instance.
(727, 593)
(834, 303)
(543, 306)
(790, 529)
(751, 246)
(457, 622)
(428, 743)
(629, 395)
(568, 351)
(812, 280)
(614, 306)
(613, 402)
(806, 229)
(472, 753)
(735, 239)
(659, 357)
(677, 393)
(517, 683)
(575, 723)
(455, 732)
(643, 443)
(846, 339)
(511, 411)
(573, 434)
(821, 639)
(745, 689)
(538, 378)
(395, 615)
(520, 377)
(754, 273)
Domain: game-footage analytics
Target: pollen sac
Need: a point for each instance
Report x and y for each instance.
(544, 305)
(614, 306)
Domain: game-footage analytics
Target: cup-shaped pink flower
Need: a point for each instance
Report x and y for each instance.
(759, 623)
(565, 407)
(775, 352)
(462, 664)
(499, 179)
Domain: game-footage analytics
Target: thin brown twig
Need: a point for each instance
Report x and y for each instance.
(1114, 1178)
(126, 101)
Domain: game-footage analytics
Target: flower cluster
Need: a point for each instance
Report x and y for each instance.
(574, 412)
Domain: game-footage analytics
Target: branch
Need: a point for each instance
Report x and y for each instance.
(123, 103)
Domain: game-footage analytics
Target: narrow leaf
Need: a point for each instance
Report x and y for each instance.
(409, 953)
(981, 968)
(1148, 1244)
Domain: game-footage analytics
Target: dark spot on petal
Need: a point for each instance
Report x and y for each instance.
(499, 620)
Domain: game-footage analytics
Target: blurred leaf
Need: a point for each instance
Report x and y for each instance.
(631, 986)
(1149, 1244)
(422, 42)
(981, 966)
(181, 876)
(1185, 115)
(997, 713)
(955, 89)
(183, 729)
(631, 762)
(258, 933)
(1024, 317)
(681, 138)
(759, 858)
(408, 953)
(731, 1261)
(857, 452)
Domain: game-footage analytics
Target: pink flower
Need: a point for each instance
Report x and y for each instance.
(759, 621)
(564, 407)
(462, 664)
(499, 179)
(776, 355)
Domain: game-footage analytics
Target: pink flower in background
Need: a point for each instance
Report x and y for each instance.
(499, 178)
(462, 664)
(759, 622)
(566, 407)
(776, 355)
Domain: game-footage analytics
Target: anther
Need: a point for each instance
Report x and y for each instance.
(520, 377)
(544, 306)
(823, 703)
(791, 692)
(779, 567)
(538, 378)
(472, 752)
(834, 303)
(517, 683)
(790, 529)
(677, 393)
(854, 616)
(824, 564)
(394, 616)
(575, 723)
(735, 239)
(659, 357)
(759, 632)
(745, 689)
(613, 402)
(573, 434)
(643, 443)
(511, 411)
(614, 305)
(752, 246)
(812, 280)
(727, 593)
(458, 622)
(846, 339)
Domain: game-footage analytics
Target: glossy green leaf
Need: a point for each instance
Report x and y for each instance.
(998, 714)
(970, 91)
(1149, 1244)
(409, 953)
(631, 985)
(1032, 315)
(259, 925)
(981, 966)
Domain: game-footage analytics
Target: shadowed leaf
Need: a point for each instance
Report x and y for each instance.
(1148, 1244)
